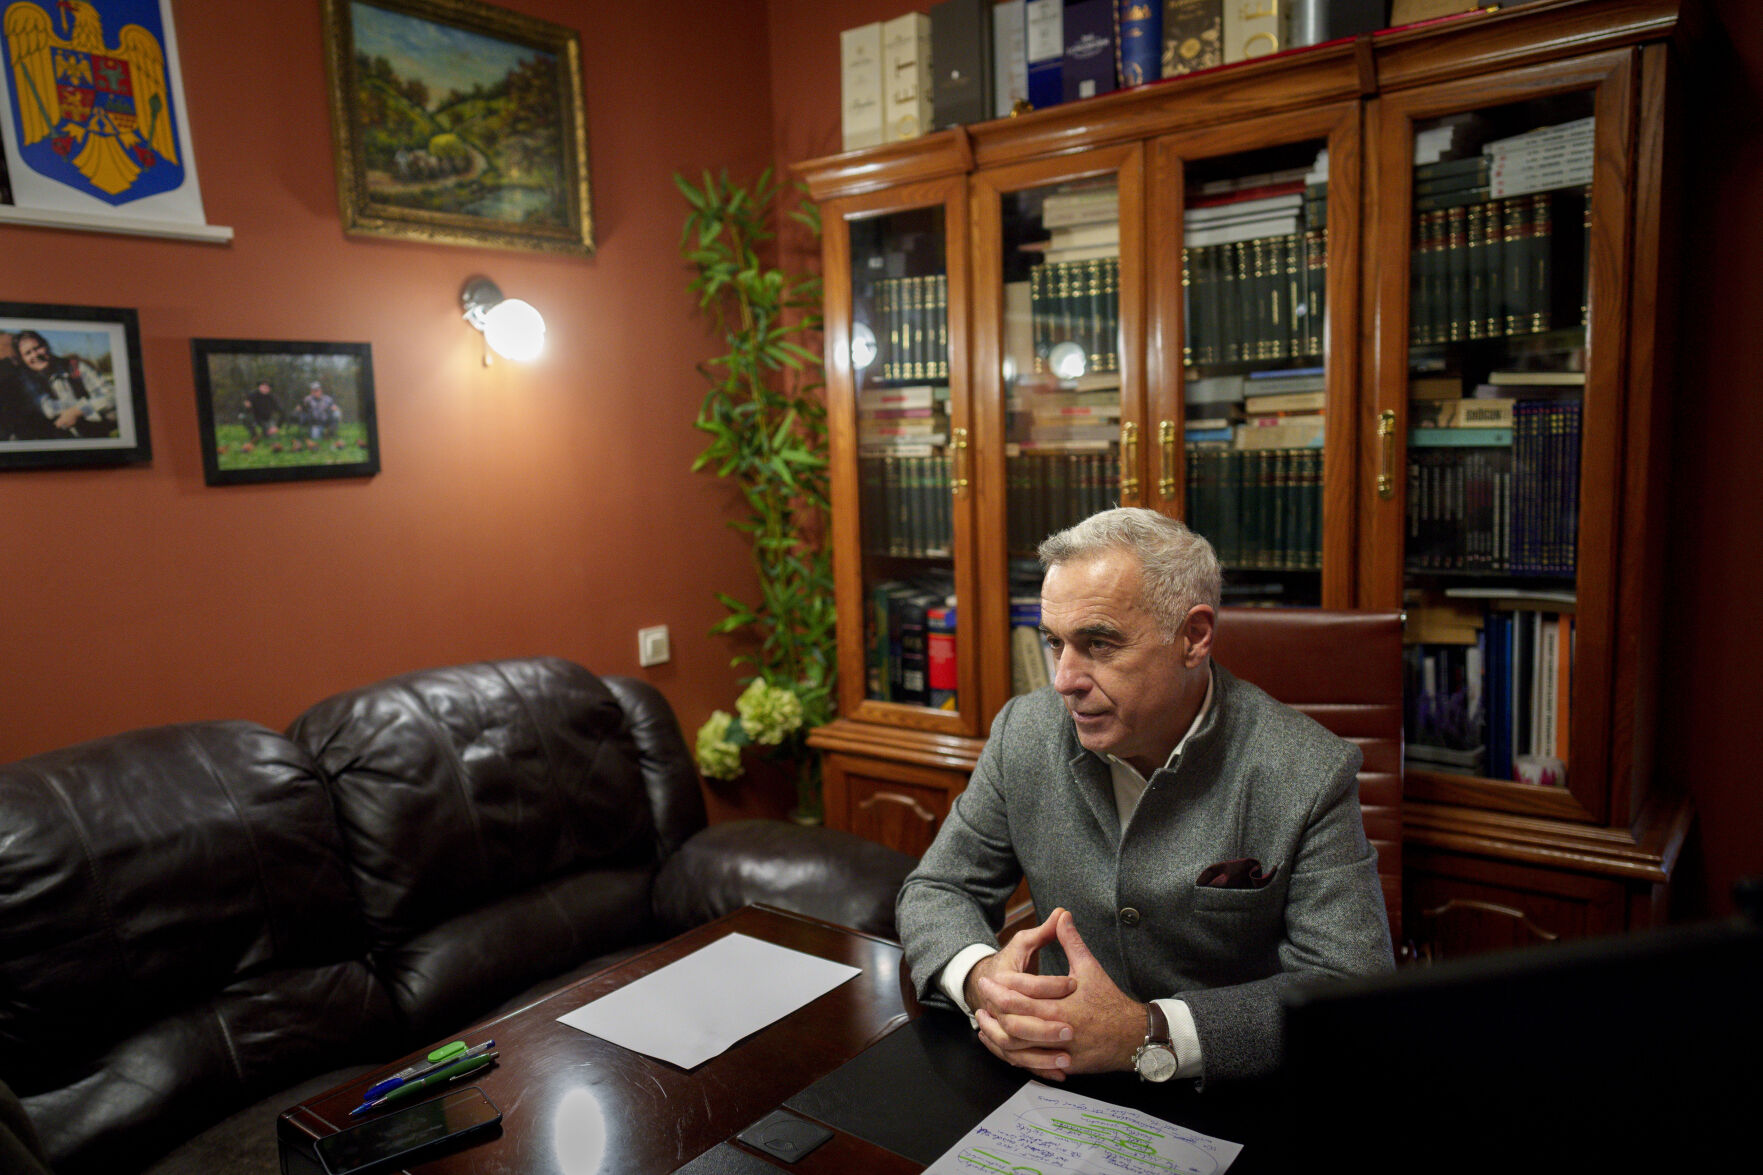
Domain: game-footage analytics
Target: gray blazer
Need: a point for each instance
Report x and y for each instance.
(1258, 779)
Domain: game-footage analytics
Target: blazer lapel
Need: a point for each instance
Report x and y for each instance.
(1091, 779)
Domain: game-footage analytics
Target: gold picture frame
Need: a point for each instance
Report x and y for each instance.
(460, 123)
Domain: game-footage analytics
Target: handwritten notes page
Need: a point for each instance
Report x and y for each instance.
(1042, 1130)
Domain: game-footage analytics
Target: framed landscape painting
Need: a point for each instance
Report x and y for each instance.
(71, 392)
(458, 122)
(280, 411)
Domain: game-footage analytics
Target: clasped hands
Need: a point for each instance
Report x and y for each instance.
(1052, 1025)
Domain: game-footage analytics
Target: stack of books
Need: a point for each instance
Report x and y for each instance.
(1493, 481)
(910, 642)
(1254, 266)
(1254, 466)
(1074, 290)
(1490, 683)
(1061, 460)
(904, 470)
(971, 60)
(1494, 230)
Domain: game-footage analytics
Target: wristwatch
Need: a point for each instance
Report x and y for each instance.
(1155, 1060)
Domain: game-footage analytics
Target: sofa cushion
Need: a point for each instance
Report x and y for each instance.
(823, 872)
(177, 935)
(498, 825)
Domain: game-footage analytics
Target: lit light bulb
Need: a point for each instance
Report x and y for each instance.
(862, 345)
(515, 330)
(1068, 360)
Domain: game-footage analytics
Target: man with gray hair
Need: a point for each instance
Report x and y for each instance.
(1199, 845)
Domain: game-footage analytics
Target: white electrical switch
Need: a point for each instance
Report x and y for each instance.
(653, 646)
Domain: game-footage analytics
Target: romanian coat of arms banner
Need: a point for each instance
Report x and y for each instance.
(93, 109)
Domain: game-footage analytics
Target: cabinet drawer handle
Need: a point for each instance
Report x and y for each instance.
(1129, 461)
(907, 802)
(1166, 438)
(958, 481)
(1386, 443)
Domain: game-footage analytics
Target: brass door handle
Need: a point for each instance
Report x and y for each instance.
(1167, 435)
(1386, 443)
(959, 480)
(1129, 461)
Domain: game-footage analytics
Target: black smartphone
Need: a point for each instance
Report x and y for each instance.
(398, 1137)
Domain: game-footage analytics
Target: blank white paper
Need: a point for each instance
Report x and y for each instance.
(695, 1008)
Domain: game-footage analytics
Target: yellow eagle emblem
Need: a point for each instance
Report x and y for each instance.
(104, 111)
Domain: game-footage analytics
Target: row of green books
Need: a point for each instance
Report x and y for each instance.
(1496, 500)
(1256, 299)
(1079, 302)
(1491, 268)
(906, 507)
(909, 317)
(1051, 491)
(1260, 508)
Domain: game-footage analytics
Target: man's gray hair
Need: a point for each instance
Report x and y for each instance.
(1179, 567)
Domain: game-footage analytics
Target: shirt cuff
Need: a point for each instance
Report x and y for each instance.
(1182, 1034)
(954, 978)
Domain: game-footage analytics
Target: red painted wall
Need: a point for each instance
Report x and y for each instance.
(533, 509)
(1707, 723)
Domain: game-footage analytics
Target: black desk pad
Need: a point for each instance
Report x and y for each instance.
(922, 1087)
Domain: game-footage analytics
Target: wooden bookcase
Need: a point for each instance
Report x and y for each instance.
(963, 268)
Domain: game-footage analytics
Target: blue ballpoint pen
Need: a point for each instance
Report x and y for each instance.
(451, 1071)
(441, 1057)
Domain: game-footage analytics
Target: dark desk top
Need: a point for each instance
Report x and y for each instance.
(574, 1104)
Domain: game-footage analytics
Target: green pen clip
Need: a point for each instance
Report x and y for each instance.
(445, 1051)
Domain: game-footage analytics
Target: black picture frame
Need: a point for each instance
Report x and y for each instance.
(291, 438)
(87, 361)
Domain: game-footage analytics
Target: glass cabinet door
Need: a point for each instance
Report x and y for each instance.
(1252, 233)
(899, 428)
(1058, 383)
(1499, 381)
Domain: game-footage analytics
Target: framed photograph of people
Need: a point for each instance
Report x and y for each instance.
(278, 411)
(71, 392)
(458, 122)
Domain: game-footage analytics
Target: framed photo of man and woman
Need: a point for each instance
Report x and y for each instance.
(71, 392)
(284, 411)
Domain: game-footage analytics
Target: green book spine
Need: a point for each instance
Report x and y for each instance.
(1542, 262)
(941, 314)
(1457, 273)
(1475, 271)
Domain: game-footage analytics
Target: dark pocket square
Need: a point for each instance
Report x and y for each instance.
(1244, 873)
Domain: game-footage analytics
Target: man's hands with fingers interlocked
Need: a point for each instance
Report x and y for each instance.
(1052, 1025)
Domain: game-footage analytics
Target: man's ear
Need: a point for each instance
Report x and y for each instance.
(1196, 634)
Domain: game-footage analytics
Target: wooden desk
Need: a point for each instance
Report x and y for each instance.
(573, 1104)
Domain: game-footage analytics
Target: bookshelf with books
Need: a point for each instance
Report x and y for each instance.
(1512, 499)
(1376, 317)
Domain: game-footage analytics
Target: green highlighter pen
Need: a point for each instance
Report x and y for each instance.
(439, 1077)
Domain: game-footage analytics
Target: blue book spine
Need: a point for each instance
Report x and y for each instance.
(1044, 33)
(1141, 40)
(1089, 48)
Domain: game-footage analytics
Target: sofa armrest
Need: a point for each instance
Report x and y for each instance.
(821, 872)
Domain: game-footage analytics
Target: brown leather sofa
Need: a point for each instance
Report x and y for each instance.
(201, 923)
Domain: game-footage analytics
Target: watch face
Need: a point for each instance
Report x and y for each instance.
(1155, 1062)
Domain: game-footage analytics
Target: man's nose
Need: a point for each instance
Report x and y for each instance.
(1070, 673)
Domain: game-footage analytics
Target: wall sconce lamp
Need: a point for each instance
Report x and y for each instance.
(512, 328)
